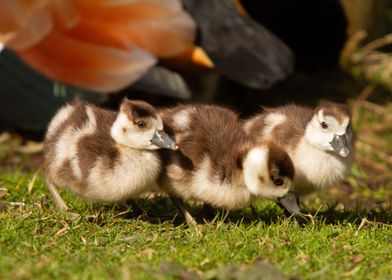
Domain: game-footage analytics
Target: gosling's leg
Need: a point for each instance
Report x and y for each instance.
(207, 213)
(56, 196)
(179, 204)
(130, 203)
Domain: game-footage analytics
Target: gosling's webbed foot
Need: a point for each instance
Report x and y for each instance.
(179, 204)
(136, 209)
(206, 214)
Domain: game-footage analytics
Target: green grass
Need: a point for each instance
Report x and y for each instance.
(38, 242)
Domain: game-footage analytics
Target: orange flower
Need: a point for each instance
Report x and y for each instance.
(103, 45)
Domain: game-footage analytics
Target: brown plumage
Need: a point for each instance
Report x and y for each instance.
(103, 155)
(207, 133)
(287, 133)
(217, 162)
(336, 110)
(319, 141)
(138, 109)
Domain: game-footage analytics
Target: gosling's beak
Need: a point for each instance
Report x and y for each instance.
(340, 145)
(161, 139)
(289, 201)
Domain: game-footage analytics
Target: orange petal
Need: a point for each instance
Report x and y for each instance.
(161, 27)
(163, 37)
(64, 14)
(37, 26)
(97, 33)
(25, 22)
(14, 13)
(98, 68)
(124, 10)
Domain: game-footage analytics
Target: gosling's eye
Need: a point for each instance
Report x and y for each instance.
(278, 182)
(324, 125)
(141, 124)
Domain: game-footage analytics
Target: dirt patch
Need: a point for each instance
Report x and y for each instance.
(17, 153)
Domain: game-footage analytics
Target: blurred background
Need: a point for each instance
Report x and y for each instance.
(238, 53)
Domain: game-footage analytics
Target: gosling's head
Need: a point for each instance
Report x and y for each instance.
(268, 171)
(330, 129)
(138, 125)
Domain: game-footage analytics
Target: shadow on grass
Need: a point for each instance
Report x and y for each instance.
(160, 209)
(354, 216)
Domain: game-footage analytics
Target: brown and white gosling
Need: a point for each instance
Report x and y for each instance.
(103, 155)
(319, 141)
(217, 163)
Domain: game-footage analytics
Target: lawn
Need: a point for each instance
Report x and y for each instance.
(36, 241)
(350, 236)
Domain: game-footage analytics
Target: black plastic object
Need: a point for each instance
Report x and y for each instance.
(163, 82)
(241, 48)
(315, 30)
(28, 100)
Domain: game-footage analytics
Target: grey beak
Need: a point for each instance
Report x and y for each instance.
(289, 201)
(340, 145)
(161, 139)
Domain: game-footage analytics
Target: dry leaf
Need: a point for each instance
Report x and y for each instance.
(148, 252)
(3, 192)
